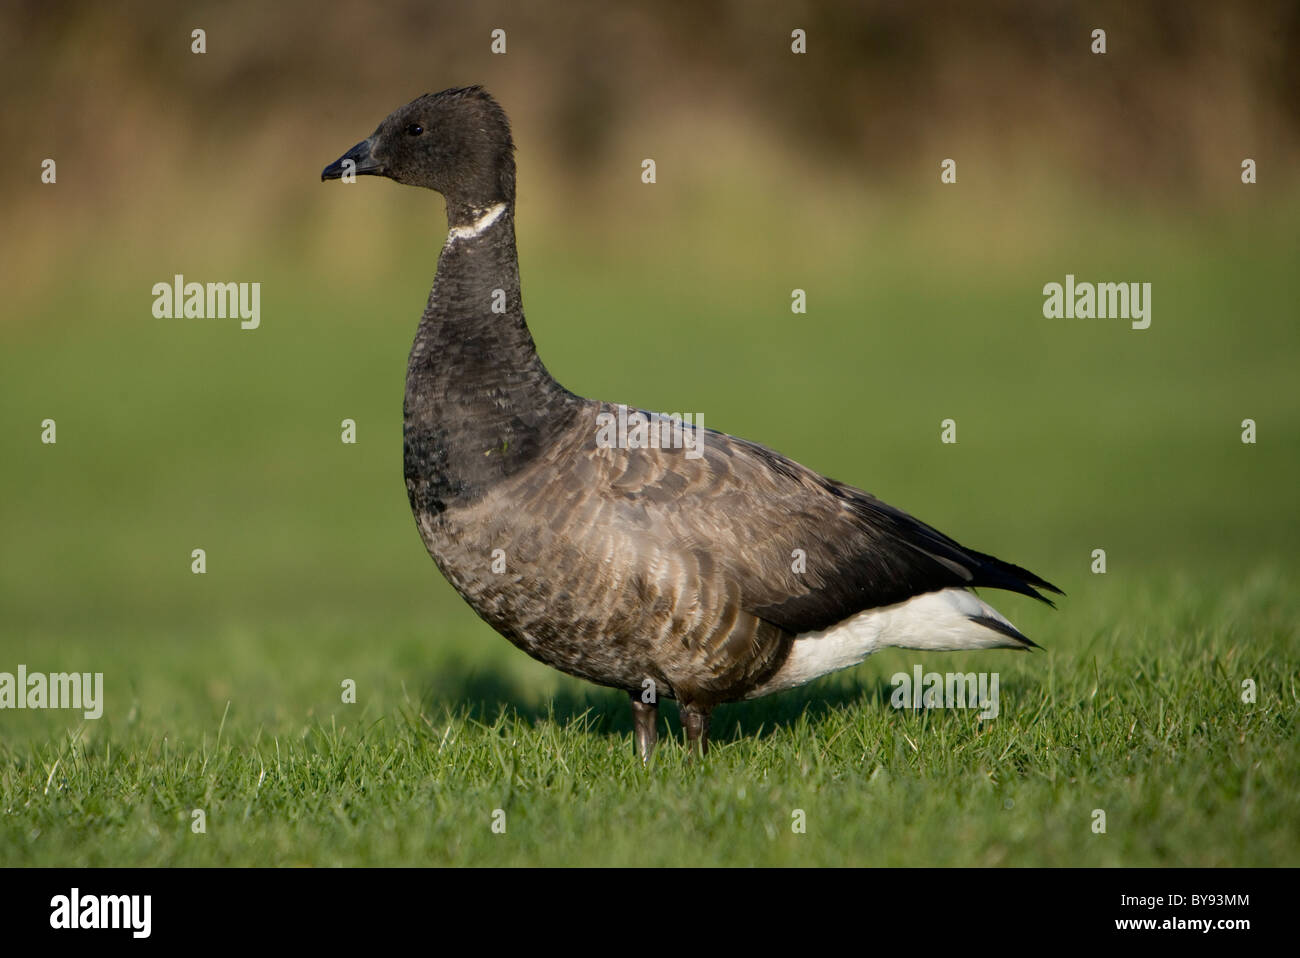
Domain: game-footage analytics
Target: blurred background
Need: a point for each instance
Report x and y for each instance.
(775, 171)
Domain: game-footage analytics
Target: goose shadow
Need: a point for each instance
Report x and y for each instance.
(486, 695)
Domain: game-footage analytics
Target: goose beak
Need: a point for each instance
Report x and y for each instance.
(358, 160)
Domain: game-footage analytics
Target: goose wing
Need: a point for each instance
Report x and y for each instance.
(804, 551)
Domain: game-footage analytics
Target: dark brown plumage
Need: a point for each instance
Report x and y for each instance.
(641, 568)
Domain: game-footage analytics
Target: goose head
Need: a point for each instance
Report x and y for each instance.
(456, 143)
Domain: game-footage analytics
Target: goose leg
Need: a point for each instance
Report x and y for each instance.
(696, 722)
(645, 715)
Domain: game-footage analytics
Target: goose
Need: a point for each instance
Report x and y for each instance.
(650, 570)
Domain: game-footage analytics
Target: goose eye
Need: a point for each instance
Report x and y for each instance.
(415, 129)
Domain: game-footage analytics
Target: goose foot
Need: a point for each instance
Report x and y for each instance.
(696, 722)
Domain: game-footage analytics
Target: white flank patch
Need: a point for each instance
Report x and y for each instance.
(490, 216)
(933, 622)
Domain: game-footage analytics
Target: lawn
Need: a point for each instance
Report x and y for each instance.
(223, 691)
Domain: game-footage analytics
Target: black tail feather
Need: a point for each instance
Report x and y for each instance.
(996, 574)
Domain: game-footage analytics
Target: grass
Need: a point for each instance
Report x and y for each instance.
(223, 690)
(1148, 727)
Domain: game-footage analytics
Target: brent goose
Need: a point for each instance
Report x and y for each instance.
(643, 569)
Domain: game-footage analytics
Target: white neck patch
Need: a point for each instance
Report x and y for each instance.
(486, 219)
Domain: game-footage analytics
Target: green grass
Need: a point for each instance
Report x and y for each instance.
(1145, 724)
(223, 690)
